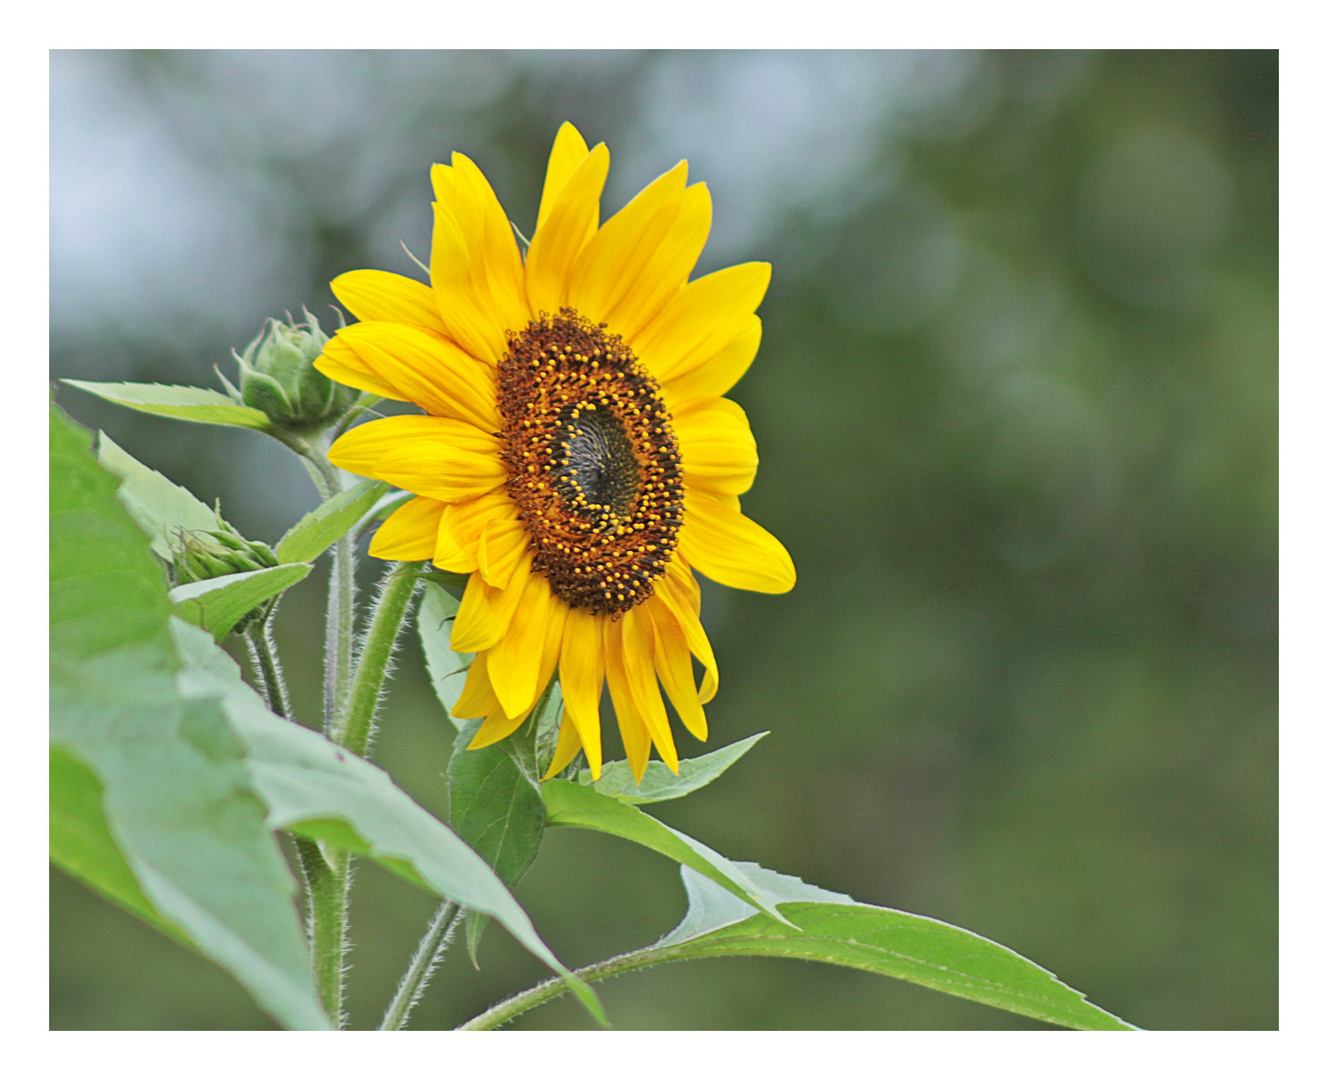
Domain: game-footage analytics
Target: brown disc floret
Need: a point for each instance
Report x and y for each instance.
(592, 461)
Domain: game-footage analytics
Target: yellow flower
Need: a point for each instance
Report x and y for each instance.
(578, 458)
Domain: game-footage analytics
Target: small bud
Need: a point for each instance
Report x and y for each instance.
(277, 376)
(201, 554)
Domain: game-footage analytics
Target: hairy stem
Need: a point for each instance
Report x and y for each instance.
(263, 651)
(328, 892)
(514, 1006)
(427, 955)
(356, 729)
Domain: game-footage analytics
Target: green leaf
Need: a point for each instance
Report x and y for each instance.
(160, 507)
(496, 809)
(447, 669)
(569, 803)
(835, 929)
(181, 402)
(496, 803)
(322, 527)
(315, 788)
(82, 844)
(175, 797)
(217, 604)
(659, 782)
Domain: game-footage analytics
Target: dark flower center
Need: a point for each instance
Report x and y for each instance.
(592, 462)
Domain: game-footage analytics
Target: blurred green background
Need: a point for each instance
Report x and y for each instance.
(1016, 405)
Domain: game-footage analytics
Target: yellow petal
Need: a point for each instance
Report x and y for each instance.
(704, 316)
(477, 697)
(377, 296)
(496, 727)
(616, 255)
(635, 737)
(457, 273)
(569, 151)
(673, 663)
(638, 637)
(501, 544)
(569, 744)
(731, 548)
(361, 448)
(669, 266)
(340, 364)
(499, 255)
(514, 662)
(485, 612)
(678, 590)
(581, 672)
(715, 377)
(410, 534)
(427, 369)
(462, 526)
(441, 470)
(718, 448)
(563, 232)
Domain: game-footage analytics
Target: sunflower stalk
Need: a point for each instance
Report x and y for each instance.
(398, 589)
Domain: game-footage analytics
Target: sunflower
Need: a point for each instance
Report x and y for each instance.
(577, 457)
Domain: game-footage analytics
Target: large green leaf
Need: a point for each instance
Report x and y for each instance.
(313, 787)
(82, 844)
(323, 526)
(835, 929)
(181, 402)
(160, 507)
(175, 796)
(569, 803)
(447, 669)
(659, 782)
(217, 604)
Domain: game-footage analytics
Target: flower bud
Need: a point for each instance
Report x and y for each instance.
(278, 377)
(201, 554)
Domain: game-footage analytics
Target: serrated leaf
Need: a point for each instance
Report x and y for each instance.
(315, 788)
(160, 507)
(323, 526)
(497, 810)
(176, 800)
(659, 783)
(835, 929)
(180, 402)
(217, 604)
(569, 803)
(447, 669)
(496, 805)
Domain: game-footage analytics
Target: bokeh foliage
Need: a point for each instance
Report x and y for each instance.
(1016, 405)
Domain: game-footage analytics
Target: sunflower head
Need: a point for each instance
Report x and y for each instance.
(575, 454)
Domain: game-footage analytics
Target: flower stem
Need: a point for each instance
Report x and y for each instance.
(328, 888)
(514, 1006)
(427, 955)
(263, 651)
(356, 729)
